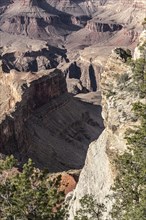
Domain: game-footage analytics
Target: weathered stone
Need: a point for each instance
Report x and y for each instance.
(97, 176)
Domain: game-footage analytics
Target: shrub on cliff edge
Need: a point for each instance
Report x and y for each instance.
(130, 186)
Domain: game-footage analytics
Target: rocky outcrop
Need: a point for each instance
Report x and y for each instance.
(35, 19)
(28, 27)
(74, 7)
(38, 120)
(85, 75)
(98, 174)
(141, 48)
(82, 75)
(42, 57)
(114, 24)
(28, 20)
(102, 27)
(21, 95)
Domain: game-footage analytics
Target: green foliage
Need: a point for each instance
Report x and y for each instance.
(30, 195)
(124, 54)
(8, 163)
(110, 93)
(141, 48)
(144, 23)
(123, 78)
(130, 186)
(139, 71)
(128, 52)
(90, 209)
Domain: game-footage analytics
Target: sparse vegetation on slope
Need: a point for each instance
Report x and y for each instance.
(130, 187)
(138, 84)
(90, 209)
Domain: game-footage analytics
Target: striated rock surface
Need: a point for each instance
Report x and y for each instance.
(73, 24)
(98, 174)
(115, 23)
(36, 19)
(74, 36)
(38, 120)
(21, 95)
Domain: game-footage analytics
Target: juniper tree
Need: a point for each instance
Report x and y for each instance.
(30, 194)
(130, 184)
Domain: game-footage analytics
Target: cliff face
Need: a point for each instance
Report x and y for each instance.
(39, 120)
(98, 173)
(21, 95)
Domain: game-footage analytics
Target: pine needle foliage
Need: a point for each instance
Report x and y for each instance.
(130, 184)
(90, 209)
(30, 194)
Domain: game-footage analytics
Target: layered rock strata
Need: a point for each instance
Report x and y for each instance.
(21, 95)
(39, 119)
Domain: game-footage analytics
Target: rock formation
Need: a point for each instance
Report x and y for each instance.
(98, 174)
(38, 120)
(48, 34)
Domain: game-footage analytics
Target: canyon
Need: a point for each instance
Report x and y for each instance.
(47, 34)
(58, 65)
(38, 120)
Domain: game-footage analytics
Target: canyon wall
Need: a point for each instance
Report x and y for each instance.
(97, 176)
(40, 120)
(21, 95)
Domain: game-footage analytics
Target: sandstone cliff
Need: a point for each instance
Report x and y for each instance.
(118, 95)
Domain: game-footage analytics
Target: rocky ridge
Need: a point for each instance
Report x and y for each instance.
(48, 34)
(73, 36)
(98, 174)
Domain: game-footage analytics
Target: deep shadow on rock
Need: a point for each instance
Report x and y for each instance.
(92, 77)
(50, 126)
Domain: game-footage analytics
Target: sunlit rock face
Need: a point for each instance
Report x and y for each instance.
(97, 176)
(47, 34)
